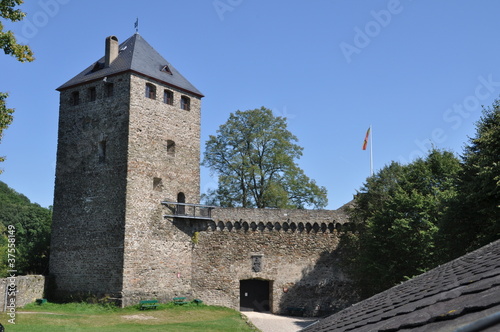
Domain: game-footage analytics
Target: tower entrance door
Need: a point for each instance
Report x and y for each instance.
(254, 295)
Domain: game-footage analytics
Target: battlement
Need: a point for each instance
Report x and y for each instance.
(263, 220)
(286, 226)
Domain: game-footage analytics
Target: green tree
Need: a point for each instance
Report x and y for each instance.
(31, 224)
(254, 156)
(8, 41)
(10, 46)
(398, 212)
(3, 251)
(5, 118)
(473, 219)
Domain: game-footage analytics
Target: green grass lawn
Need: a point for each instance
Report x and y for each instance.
(71, 317)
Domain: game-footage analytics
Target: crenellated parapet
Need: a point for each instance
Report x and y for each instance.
(277, 220)
(292, 252)
(279, 227)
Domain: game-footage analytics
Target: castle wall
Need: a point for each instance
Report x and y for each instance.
(110, 236)
(152, 124)
(89, 203)
(122, 150)
(28, 289)
(157, 261)
(298, 258)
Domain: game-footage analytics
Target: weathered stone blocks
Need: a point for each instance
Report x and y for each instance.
(127, 142)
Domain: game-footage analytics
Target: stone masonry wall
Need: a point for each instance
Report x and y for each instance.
(157, 261)
(29, 288)
(109, 236)
(89, 197)
(121, 152)
(299, 259)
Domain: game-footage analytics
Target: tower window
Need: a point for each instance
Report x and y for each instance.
(109, 89)
(171, 148)
(75, 98)
(185, 103)
(168, 97)
(150, 91)
(101, 151)
(92, 94)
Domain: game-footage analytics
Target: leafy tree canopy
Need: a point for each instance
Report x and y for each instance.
(10, 46)
(8, 41)
(473, 219)
(398, 211)
(32, 232)
(5, 117)
(254, 156)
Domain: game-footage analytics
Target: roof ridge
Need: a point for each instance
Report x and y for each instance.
(135, 54)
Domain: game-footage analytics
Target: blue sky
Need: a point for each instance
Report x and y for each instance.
(417, 71)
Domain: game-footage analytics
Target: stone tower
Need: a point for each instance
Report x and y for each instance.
(129, 138)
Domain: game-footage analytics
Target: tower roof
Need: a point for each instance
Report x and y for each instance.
(135, 55)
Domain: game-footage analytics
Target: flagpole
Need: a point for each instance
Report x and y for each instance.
(369, 137)
(371, 150)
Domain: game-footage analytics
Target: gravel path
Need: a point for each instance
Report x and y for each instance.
(267, 322)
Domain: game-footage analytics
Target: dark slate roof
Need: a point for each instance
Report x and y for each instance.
(461, 296)
(136, 55)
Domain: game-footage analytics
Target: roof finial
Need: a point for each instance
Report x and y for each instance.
(136, 25)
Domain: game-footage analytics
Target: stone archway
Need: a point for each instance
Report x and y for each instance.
(255, 295)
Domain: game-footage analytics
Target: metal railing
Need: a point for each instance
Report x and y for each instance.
(188, 210)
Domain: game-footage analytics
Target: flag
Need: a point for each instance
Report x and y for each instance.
(136, 25)
(365, 142)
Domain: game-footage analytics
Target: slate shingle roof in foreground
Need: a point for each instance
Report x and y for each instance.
(135, 55)
(462, 295)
